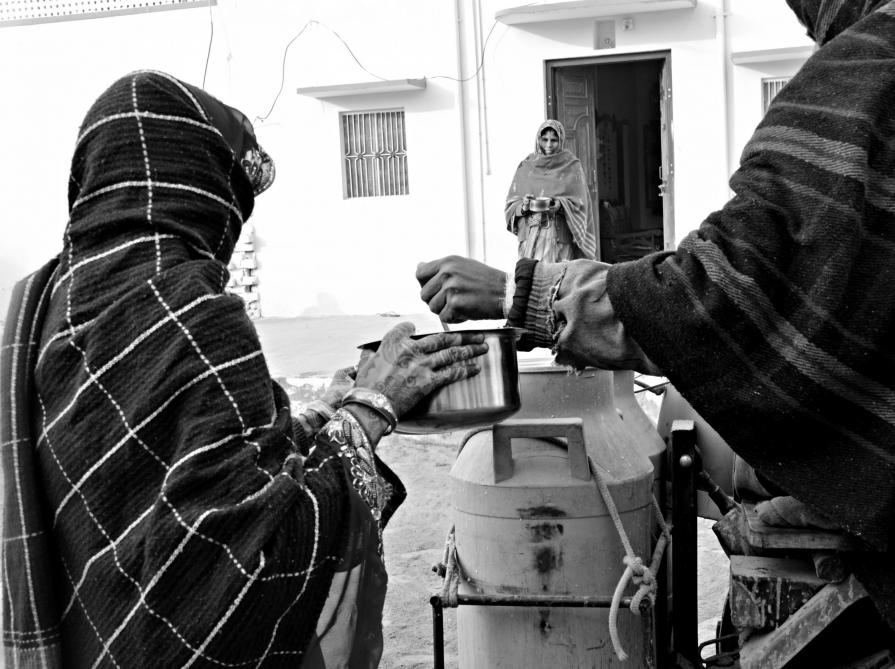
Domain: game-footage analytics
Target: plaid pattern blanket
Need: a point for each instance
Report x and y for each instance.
(158, 512)
(776, 319)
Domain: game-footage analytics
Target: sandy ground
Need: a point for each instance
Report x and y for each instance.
(302, 353)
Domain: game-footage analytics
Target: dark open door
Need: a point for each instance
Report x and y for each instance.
(617, 114)
(575, 108)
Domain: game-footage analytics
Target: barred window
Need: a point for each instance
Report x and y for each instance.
(26, 12)
(374, 153)
(769, 90)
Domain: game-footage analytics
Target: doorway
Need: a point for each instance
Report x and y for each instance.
(617, 115)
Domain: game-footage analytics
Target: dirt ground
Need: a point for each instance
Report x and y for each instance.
(301, 353)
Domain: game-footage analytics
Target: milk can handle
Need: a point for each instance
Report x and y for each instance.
(570, 428)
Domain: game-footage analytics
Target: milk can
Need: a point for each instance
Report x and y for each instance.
(648, 438)
(530, 523)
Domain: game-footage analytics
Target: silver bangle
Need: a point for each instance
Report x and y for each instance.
(375, 401)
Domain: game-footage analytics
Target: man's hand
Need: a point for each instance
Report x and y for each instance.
(460, 289)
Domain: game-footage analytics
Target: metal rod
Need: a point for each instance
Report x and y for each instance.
(602, 602)
(437, 630)
(684, 614)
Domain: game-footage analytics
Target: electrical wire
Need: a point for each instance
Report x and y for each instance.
(359, 63)
(283, 72)
(210, 41)
(481, 61)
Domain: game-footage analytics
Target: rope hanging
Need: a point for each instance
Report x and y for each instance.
(642, 576)
(448, 569)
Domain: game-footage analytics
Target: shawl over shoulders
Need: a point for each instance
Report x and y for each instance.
(182, 522)
(776, 319)
(561, 177)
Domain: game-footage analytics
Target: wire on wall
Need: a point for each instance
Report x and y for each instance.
(314, 22)
(210, 41)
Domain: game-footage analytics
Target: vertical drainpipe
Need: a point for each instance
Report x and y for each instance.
(722, 29)
(482, 105)
(472, 249)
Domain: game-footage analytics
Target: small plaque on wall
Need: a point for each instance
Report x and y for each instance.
(604, 35)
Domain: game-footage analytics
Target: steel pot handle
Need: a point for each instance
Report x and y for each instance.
(570, 428)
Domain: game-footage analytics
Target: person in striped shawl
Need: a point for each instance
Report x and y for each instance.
(776, 318)
(161, 507)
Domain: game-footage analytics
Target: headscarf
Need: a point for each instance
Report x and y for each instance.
(776, 319)
(184, 522)
(236, 129)
(558, 128)
(561, 177)
(825, 19)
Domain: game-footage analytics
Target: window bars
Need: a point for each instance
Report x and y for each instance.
(769, 90)
(374, 153)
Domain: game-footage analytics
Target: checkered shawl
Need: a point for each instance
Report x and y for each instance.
(776, 319)
(157, 510)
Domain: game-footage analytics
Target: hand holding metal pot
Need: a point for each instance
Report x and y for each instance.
(406, 370)
(460, 289)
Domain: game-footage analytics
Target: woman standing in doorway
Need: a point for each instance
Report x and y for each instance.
(548, 206)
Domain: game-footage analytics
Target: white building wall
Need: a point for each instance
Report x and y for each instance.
(702, 123)
(317, 252)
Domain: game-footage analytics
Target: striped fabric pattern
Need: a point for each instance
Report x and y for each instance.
(776, 319)
(158, 512)
(825, 19)
(31, 634)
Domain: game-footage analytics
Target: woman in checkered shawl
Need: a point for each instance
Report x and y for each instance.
(162, 508)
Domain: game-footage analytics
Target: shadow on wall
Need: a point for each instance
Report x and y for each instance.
(327, 305)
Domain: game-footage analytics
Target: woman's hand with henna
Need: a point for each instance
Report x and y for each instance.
(405, 370)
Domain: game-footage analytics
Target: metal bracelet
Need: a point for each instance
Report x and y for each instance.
(376, 401)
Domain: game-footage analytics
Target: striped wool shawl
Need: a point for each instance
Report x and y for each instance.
(158, 512)
(776, 318)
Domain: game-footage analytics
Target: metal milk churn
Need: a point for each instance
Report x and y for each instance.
(530, 522)
(648, 438)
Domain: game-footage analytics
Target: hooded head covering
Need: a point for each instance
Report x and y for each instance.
(236, 129)
(557, 127)
(825, 19)
(157, 159)
(560, 176)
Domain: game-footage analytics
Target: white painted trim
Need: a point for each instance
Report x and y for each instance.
(364, 88)
(771, 55)
(586, 9)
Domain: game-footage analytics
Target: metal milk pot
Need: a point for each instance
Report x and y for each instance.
(529, 521)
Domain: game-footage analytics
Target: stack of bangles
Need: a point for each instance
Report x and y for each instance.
(375, 401)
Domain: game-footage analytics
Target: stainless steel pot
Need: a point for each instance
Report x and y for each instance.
(540, 203)
(484, 399)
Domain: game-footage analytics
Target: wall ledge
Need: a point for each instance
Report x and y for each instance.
(771, 55)
(364, 88)
(586, 9)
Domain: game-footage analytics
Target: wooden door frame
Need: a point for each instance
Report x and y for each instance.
(664, 55)
(551, 65)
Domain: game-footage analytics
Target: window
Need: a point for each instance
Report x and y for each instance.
(769, 90)
(374, 153)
